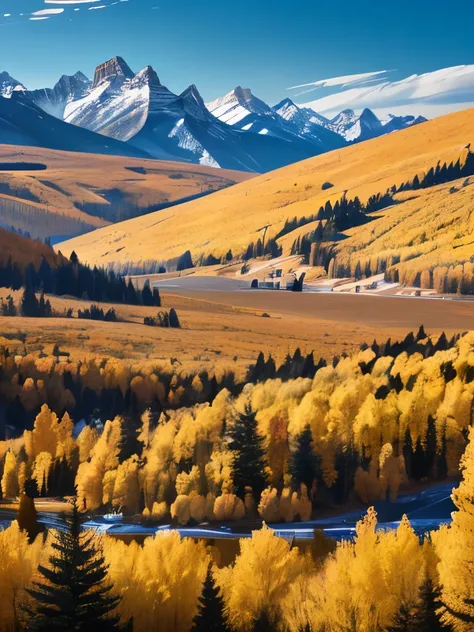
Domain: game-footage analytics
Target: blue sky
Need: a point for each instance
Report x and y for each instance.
(267, 46)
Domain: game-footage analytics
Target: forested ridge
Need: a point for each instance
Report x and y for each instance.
(196, 447)
(380, 581)
(29, 264)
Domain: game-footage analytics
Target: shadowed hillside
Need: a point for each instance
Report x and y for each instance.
(80, 192)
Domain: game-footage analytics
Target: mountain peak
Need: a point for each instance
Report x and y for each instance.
(147, 76)
(8, 85)
(242, 94)
(285, 103)
(193, 102)
(115, 67)
(368, 115)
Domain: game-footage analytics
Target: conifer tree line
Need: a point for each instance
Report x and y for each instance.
(364, 426)
(164, 319)
(441, 174)
(389, 580)
(70, 277)
(444, 279)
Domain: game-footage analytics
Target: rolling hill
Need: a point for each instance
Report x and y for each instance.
(233, 218)
(79, 192)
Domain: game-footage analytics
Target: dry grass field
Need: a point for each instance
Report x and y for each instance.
(227, 329)
(80, 192)
(232, 218)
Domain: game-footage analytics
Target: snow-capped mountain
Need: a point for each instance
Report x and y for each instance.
(139, 110)
(293, 113)
(353, 128)
(237, 105)
(243, 110)
(24, 123)
(54, 100)
(343, 122)
(8, 85)
(366, 126)
(309, 125)
(237, 131)
(396, 123)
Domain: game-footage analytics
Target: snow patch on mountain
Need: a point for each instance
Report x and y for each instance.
(236, 105)
(8, 85)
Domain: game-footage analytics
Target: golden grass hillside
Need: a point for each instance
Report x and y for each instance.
(79, 192)
(232, 218)
(222, 330)
(432, 229)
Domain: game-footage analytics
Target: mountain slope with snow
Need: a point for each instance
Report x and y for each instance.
(8, 85)
(243, 110)
(233, 218)
(55, 100)
(24, 123)
(139, 110)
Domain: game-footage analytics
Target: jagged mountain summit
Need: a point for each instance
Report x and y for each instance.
(366, 126)
(138, 109)
(309, 125)
(24, 123)
(54, 100)
(8, 85)
(238, 131)
(243, 110)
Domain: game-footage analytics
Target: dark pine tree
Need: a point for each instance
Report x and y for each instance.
(304, 463)
(210, 616)
(402, 621)
(129, 443)
(249, 455)
(173, 319)
(147, 296)
(28, 517)
(425, 616)
(74, 595)
(29, 302)
(265, 622)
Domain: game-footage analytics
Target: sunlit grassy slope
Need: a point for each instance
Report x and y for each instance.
(232, 218)
(79, 192)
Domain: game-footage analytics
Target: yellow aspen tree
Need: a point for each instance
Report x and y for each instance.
(403, 564)
(86, 441)
(126, 489)
(66, 445)
(228, 507)
(45, 433)
(197, 507)
(180, 510)
(390, 475)
(261, 576)
(22, 476)
(269, 507)
(145, 430)
(10, 476)
(456, 566)
(167, 577)
(41, 469)
(18, 563)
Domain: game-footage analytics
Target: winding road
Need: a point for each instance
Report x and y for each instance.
(426, 510)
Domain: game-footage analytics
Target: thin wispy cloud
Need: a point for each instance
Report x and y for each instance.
(429, 94)
(343, 82)
(11, 11)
